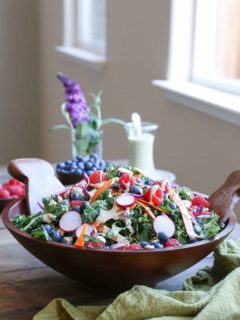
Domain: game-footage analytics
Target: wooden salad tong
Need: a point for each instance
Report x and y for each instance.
(223, 200)
(40, 180)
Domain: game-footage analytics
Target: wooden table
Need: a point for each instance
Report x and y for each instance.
(27, 285)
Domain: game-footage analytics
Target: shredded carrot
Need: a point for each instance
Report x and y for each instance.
(104, 187)
(80, 240)
(99, 227)
(153, 206)
(138, 175)
(116, 193)
(147, 209)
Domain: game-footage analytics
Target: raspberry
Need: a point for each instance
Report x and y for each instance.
(132, 246)
(75, 203)
(16, 190)
(97, 177)
(200, 201)
(154, 195)
(171, 243)
(15, 182)
(4, 194)
(164, 184)
(93, 244)
(126, 181)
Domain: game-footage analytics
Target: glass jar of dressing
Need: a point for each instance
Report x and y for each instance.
(141, 146)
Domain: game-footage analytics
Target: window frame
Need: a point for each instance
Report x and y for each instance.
(225, 84)
(178, 84)
(70, 48)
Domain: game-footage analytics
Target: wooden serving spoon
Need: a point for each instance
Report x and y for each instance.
(223, 200)
(38, 175)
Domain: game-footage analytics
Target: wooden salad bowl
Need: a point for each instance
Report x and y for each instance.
(109, 271)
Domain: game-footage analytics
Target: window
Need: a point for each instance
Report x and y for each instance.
(216, 49)
(91, 31)
(84, 32)
(204, 57)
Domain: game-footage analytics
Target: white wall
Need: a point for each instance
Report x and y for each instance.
(19, 110)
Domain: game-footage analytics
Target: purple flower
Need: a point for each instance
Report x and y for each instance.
(76, 104)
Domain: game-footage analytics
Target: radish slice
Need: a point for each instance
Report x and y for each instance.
(125, 200)
(164, 224)
(124, 170)
(70, 221)
(117, 246)
(86, 178)
(90, 230)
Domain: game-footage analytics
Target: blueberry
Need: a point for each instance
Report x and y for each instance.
(197, 229)
(63, 240)
(76, 196)
(149, 182)
(162, 237)
(79, 158)
(157, 244)
(84, 205)
(48, 228)
(81, 165)
(102, 165)
(173, 205)
(136, 190)
(193, 240)
(199, 220)
(76, 208)
(61, 165)
(72, 170)
(89, 172)
(79, 171)
(85, 160)
(143, 244)
(94, 168)
(93, 157)
(56, 236)
(74, 166)
(88, 165)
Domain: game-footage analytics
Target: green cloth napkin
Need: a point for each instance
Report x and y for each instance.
(212, 293)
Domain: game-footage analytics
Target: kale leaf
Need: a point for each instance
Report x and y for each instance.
(41, 233)
(210, 226)
(21, 221)
(53, 206)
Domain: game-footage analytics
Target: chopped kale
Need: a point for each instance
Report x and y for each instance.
(21, 221)
(185, 193)
(54, 206)
(41, 233)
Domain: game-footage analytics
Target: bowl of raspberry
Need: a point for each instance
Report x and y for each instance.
(12, 189)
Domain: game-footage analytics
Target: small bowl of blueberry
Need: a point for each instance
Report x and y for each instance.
(72, 171)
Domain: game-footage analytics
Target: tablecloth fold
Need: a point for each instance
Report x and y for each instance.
(213, 293)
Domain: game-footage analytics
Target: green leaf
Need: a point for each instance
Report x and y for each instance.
(65, 114)
(97, 104)
(113, 120)
(59, 126)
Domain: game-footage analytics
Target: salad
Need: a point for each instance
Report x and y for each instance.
(122, 208)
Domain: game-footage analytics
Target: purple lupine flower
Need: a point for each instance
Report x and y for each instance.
(76, 103)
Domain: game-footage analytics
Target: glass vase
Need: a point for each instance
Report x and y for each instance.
(141, 146)
(85, 146)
